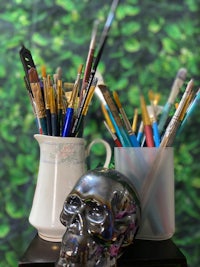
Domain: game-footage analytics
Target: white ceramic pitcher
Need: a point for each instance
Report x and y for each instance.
(62, 163)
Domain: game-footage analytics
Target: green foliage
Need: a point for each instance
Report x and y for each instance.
(149, 41)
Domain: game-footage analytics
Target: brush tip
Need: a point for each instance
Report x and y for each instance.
(80, 68)
(182, 74)
(102, 87)
(99, 76)
(43, 70)
(59, 72)
(116, 98)
(33, 76)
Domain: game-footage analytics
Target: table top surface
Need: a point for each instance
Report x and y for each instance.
(142, 253)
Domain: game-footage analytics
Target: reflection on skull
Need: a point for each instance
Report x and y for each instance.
(101, 215)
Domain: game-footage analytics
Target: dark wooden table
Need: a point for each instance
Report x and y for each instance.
(143, 253)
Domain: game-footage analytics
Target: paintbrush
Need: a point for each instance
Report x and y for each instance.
(114, 116)
(70, 109)
(60, 99)
(140, 133)
(147, 122)
(60, 106)
(135, 120)
(53, 111)
(107, 118)
(127, 124)
(90, 59)
(190, 110)
(153, 113)
(46, 99)
(113, 135)
(102, 43)
(85, 108)
(27, 62)
(174, 123)
(38, 97)
(178, 82)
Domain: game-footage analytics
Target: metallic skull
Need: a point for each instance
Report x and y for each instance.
(102, 216)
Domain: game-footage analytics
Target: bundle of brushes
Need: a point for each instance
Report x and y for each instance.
(60, 107)
(157, 127)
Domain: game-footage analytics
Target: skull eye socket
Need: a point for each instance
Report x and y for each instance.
(73, 204)
(96, 212)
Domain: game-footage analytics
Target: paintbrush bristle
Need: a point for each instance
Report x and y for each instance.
(99, 76)
(182, 74)
(154, 97)
(43, 71)
(33, 76)
(117, 101)
(80, 68)
(59, 73)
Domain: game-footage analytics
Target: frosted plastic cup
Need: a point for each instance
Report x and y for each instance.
(151, 171)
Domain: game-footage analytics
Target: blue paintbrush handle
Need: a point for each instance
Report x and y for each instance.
(156, 135)
(68, 122)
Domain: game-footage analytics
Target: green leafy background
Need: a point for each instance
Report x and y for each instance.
(149, 41)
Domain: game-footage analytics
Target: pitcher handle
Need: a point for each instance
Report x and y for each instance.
(107, 147)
